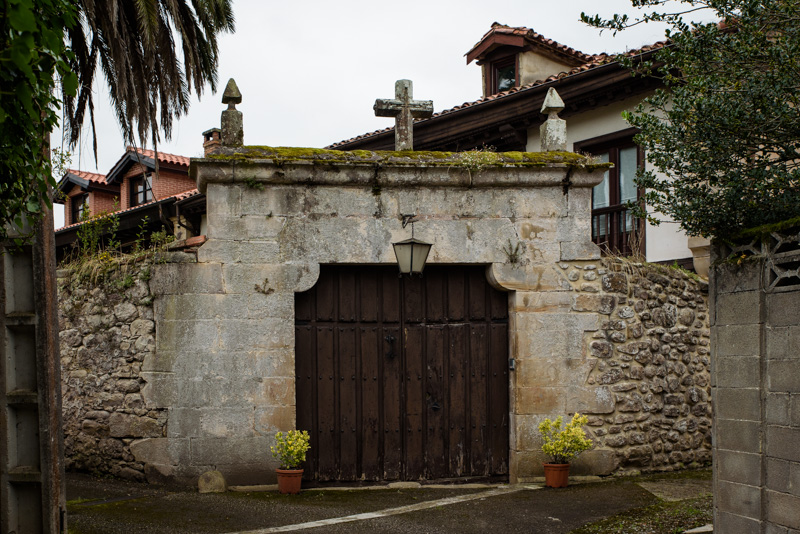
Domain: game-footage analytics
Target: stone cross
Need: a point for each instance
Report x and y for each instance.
(404, 110)
(232, 123)
(553, 132)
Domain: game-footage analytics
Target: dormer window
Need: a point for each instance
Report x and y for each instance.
(514, 57)
(141, 190)
(504, 75)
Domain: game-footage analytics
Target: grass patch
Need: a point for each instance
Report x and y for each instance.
(660, 518)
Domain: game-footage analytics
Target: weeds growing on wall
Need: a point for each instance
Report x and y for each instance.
(93, 228)
(100, 255)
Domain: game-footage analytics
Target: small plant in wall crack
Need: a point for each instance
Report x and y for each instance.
(264, 287)
(252, 183)
(476, 160)
(513, 252)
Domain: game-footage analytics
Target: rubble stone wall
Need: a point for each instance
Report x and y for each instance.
(107, 328)
(650, 358)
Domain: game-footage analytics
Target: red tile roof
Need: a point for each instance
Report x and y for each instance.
(187, 194)
(179, 196)
(530, 35)
(596, 61)
(162, 156)
(90, 176)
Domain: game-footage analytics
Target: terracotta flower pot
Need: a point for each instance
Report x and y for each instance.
(289, 480)
(556, 475)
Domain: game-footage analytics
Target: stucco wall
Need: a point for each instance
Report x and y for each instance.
(665, 242)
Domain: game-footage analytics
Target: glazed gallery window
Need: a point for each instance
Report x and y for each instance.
(141, 190)
(79, 207)
(613, 227)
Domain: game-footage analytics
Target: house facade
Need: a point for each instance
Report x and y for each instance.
(519, 65)
(146, 190)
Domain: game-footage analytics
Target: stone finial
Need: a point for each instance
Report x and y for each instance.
(553, 132)
(231, 95)
(232, 120)
(552, 102)
(404, 110)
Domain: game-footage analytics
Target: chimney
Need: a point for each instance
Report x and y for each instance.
(211, 140)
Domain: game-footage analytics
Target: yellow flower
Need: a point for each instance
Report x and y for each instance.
(564, 445)
(290, 449)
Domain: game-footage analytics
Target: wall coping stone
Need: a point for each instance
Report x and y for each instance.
(378, 169)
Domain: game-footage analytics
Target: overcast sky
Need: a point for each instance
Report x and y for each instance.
(310, 71)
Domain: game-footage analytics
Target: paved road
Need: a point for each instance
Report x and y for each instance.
(114, 507)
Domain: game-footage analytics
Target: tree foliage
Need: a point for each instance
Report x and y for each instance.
(134, 43)
(723, 134)
(33, 60)
(52, 47)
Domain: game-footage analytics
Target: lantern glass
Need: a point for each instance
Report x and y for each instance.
(411, 255)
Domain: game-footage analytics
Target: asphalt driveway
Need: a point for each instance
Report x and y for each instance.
(104, 506)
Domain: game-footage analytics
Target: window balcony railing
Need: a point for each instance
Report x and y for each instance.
(616, 231)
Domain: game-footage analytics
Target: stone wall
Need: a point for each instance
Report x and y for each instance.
(649, 360)
(755, 303)
(626, 344)
(107, 329)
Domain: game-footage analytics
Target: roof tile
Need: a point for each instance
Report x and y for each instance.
(162, 156)
(597, 60)
(179, 196)
(90, 176)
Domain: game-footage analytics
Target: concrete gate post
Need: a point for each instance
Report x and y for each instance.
(31, 445)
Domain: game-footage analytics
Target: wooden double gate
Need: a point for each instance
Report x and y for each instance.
(403, 379)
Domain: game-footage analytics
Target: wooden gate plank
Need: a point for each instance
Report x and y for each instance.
(325, 304)
(348, 402)
(435, 297)
(393, 405)
(414, 342)
(347, 295)
(477, 396)
(306, 377)
(370, 404)
(456, 295)
(457, 398)
(368, 296)
(436, 463)
(390, 296)
(413, 300)
(476, 289)
(498, 399)
(328, 441)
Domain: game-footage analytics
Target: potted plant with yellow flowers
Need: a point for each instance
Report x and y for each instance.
(290, 450)
(562, 445)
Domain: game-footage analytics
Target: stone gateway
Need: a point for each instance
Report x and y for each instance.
(292, 315)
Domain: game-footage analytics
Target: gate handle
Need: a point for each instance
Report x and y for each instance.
(390, 340)
(435, 406)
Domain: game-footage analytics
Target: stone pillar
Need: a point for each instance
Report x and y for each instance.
(553, 131)
(232, 133)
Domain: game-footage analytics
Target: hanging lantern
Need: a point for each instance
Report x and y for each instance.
(411, 253)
